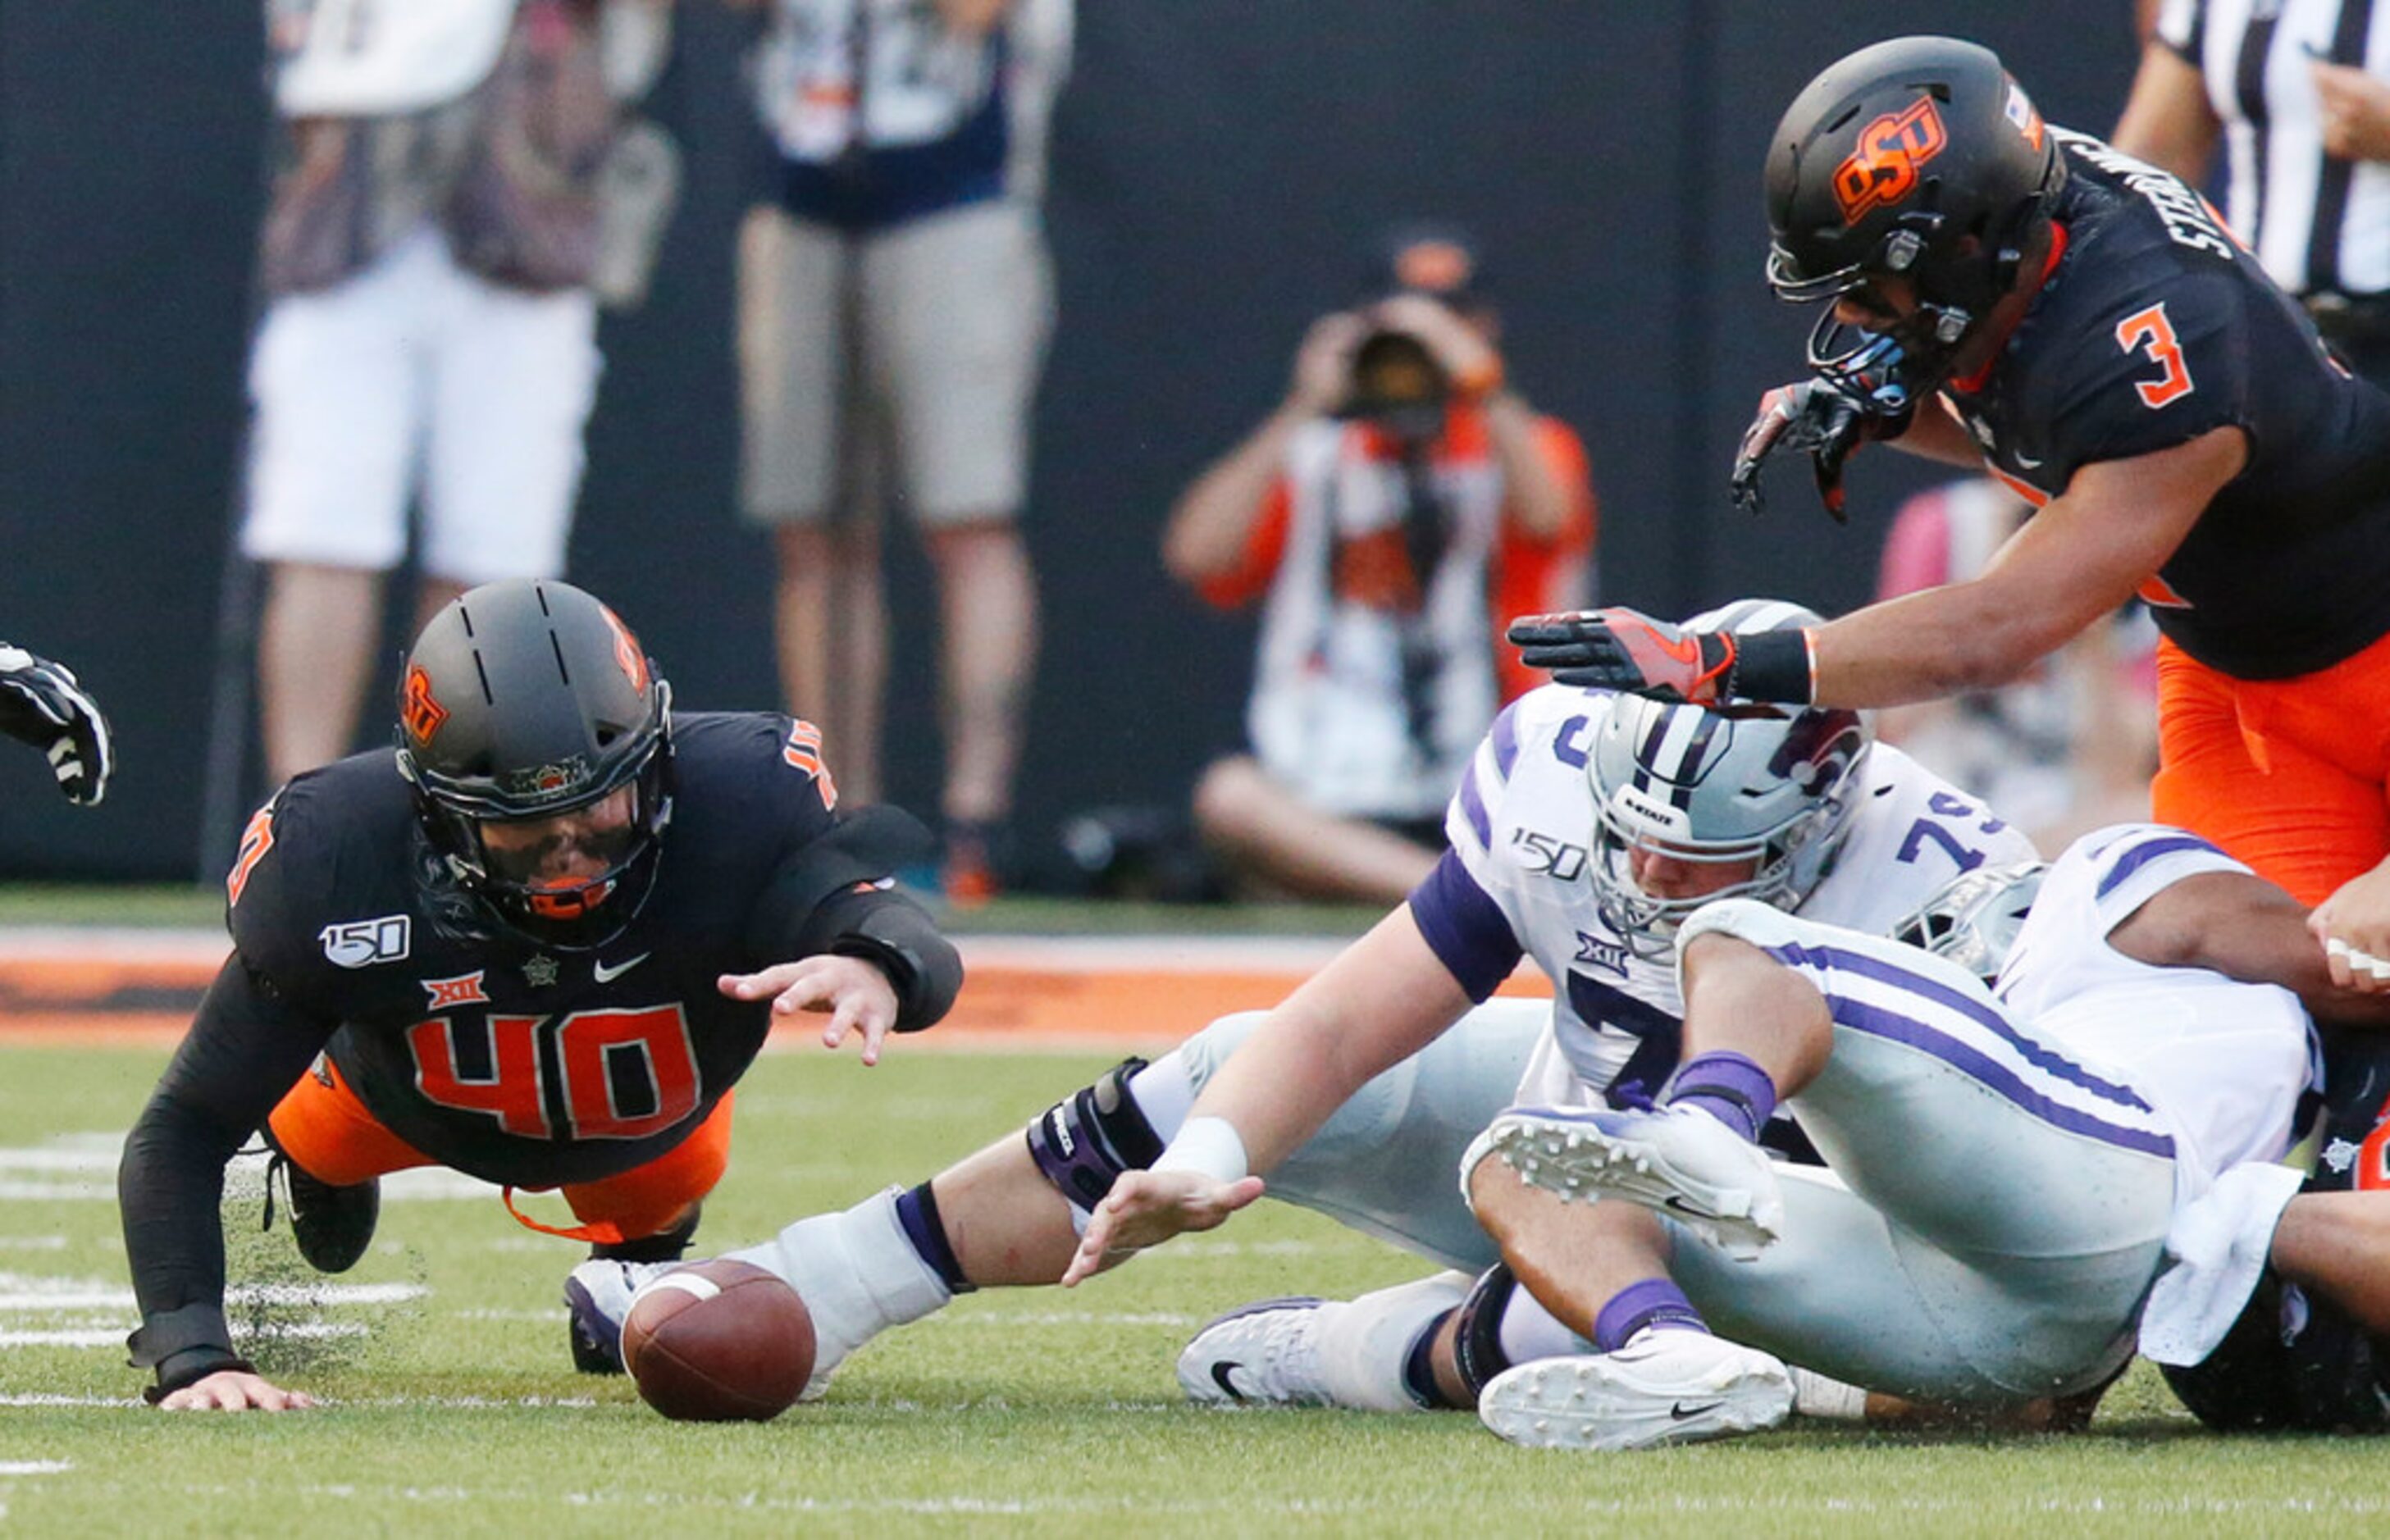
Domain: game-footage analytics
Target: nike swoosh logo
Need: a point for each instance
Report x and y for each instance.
(608, 975)
(1220, 1378)
(1680, 1411)
(2028, 462)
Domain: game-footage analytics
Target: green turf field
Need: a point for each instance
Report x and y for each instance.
(456, 1412)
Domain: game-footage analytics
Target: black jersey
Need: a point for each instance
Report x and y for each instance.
(2152, 327)
(513, 1062)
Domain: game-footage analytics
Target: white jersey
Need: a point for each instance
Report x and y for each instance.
(2209, 1054)
(1520, 829)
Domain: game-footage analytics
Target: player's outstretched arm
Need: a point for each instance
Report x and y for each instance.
(858, 996)
(2243, 926)
(1382, 999)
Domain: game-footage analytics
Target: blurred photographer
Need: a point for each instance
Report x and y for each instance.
(1401, 501)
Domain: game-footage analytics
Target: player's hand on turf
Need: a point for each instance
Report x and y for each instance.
(856, 995)
(1146, 1208)
(234, 1391)
(1625, 650)
(1828, 421)
(2354, 926)
(44, 704)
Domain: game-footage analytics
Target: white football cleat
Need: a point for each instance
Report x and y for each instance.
(1665, 1387)
(1677, 1161)
(1306, 1352)
(597, 1298)
(1265, 1354)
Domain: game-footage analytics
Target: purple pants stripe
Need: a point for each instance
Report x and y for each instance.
(1878, 1023)
(1984, 1015)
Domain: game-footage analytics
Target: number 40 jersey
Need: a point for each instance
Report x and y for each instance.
(1519, 878)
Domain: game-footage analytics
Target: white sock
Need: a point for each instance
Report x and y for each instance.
(1365, 1344)
(1815, 1395)
(1164, 1091)
(1529, 1331)
(857, 1274)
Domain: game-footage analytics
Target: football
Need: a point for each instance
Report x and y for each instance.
(719, 1341)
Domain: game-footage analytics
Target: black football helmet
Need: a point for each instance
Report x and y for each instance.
(1919, 159)
(523, 699)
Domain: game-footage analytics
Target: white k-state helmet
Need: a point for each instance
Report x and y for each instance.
(1974, 918)
(1768, 784)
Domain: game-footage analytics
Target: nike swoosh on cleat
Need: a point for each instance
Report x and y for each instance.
(608, 975)
(1220, 1376)
(1680, 1411)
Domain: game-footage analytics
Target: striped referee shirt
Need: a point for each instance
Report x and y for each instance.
(2319, 225)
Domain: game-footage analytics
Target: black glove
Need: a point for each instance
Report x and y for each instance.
(1828, 419)
(43, 703)
(1623, 650)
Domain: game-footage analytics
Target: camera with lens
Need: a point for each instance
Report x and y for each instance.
(1398, 385)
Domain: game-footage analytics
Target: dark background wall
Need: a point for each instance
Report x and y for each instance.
(1217, 167)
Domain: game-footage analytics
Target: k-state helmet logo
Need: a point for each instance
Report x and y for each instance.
(363, 943)
(1882, 167)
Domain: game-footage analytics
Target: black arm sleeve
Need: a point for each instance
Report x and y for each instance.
(246, 1049)
(885, 928)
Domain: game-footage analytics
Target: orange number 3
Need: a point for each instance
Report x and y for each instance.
(2149, 331)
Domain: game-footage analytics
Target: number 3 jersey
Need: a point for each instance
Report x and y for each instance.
(1518, 879)
(509, 1060)
(2151, 327)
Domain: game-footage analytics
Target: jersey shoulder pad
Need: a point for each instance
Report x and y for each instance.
(2123, 865)
(1538, 750)
(758, 771)
(2151, 366)
(334, 845)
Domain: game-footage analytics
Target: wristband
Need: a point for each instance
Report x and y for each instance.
(1210, 1146)
(1778, 666)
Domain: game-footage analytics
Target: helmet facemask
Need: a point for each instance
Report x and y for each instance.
(570, 916)
(524, 701)
(1710, 787)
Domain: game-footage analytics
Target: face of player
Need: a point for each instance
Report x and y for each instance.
(564, 850)
(1878, 304)
(1660, 873)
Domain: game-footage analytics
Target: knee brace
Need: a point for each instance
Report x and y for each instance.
(1081, 1144)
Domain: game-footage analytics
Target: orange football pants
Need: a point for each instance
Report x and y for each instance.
(2289, 776)
(327, 1131)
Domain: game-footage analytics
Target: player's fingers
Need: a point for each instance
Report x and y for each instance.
(875, 1032)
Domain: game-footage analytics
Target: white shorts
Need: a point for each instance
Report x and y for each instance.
(417, 375)
(1995, 1208)
(950, 311)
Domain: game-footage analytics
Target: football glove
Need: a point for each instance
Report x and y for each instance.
(1625, 650)
(1828, 418)
(44, 704)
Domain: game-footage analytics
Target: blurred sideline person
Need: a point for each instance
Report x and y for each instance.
(1586, 826)
(896, 298)
(44, 704)
(430, 335)
(2081, 324)
(537, 943)
(1400, 502)
(2071, 745)
(2288, 93)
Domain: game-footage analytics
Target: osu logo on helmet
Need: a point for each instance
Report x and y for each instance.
(1882, 167)
(421, 714)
